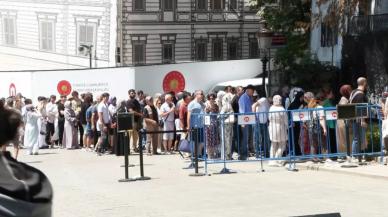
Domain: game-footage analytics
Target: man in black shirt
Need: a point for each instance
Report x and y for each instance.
(359, 126)
(134, 106)
(61, 118)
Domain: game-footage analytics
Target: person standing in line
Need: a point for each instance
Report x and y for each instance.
(329, 102)
(158, 105)
(345, 92)
(89, 129)
(103, 124)
(85, 104)
(134, 106)
(211, 130)
(42, 122)
(52, 112)
(278, 125)
(31, 134)
(261, 108)
(76, 106)
(113, 117)
(168, 115)
(229, 120)
(359, 126)
(70, 133)
(195, 110)
(245, 106)
(151, 119)
(61, 119)
(96, 133)
(296, 102)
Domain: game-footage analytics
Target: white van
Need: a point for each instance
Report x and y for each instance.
(256, 82)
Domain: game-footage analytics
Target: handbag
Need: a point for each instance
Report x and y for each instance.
(161, 123)
(185, 146)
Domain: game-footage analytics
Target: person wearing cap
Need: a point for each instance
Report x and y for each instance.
(245, 106)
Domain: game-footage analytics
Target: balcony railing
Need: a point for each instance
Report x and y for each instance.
(366, 24)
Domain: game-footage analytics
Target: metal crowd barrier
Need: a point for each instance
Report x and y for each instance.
(287, 136)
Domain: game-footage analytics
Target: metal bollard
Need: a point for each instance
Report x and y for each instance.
(126, 165)
(196, 172)
(142, 133)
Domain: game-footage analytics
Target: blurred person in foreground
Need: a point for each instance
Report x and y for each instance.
(24, 190)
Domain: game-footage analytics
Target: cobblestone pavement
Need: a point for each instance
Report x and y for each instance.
(87, 185)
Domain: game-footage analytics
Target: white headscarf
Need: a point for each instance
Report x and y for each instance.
(277, 100)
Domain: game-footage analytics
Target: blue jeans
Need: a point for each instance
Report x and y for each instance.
(244, 142)
(358, 137)
(263, 143)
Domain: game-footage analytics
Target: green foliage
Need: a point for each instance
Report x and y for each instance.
(291, 18)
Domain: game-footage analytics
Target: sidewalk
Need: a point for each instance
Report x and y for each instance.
(371, 169)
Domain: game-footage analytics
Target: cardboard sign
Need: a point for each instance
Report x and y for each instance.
(300, 116)
(331, 115)
(246, 119)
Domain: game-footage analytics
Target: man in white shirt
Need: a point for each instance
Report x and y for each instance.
(103, 123)
(51, 112)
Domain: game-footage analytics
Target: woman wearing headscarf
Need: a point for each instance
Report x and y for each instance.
(229, 119)
(278, 126)
(70, 132)
(345, 92)
(297, 102)
(261, 108)
(31, 131)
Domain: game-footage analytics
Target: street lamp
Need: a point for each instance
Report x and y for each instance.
(264, 41)
(88, 49)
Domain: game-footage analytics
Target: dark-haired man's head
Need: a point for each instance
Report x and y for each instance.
(75, 94)
(132, 94)
(10, 121)
(105, 97)
(249, 90)
(27, 101)
(53, 98)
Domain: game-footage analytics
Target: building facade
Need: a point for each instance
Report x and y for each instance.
(54, 30)
(171, 31)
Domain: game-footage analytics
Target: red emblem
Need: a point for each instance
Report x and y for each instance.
(12, 89)
(174, 81)
(64, 87)
(334, 114)
(246, 119)
(301, 116)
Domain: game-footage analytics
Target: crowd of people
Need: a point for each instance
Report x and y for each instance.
(90, 122)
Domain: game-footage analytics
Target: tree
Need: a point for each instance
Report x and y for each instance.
(292, 18)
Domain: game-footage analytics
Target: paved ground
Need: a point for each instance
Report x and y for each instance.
(87, 185)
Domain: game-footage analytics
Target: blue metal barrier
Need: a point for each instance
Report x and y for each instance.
(286, 136)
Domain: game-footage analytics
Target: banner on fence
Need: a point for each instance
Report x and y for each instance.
(331, 115)
(300, 116)
(246, 119)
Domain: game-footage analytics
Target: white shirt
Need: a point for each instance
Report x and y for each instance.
(51, 112)
(103, 108)
(166, 108)
(112, 109)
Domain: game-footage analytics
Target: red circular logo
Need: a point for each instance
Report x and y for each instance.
(174, 81)
(334, 114)
(246, 119)
(64, 87)
(12, 89)
(301, 116)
